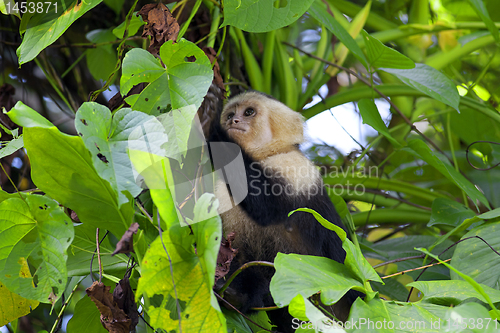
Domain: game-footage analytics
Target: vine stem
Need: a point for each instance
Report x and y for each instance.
(12, 183)
(452, 149)
(59, 317)
(77, 45)
(54, 84)
(121, 47)
(98, 253)
(422, 256)
(171, 268)
(241, 313)
(238, 271)
(414, 269)
(449, 247)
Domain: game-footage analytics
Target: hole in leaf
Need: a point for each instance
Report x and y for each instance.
(102, 158)
(280, 3)
(156, 299)
(146, 99)
(182, 304)
(190, 59)
(84, 122)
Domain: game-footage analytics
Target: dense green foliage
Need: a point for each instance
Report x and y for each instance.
(429, 193)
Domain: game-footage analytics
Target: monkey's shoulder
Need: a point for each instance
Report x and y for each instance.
(295, 169)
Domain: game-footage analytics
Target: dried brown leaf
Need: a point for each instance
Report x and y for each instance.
(124, 298)
(225, 257)
(113, 318)
(160, 25)
(126, 243)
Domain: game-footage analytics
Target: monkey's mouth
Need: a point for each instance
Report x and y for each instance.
(237, 128)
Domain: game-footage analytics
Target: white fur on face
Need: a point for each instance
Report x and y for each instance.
(274, 129)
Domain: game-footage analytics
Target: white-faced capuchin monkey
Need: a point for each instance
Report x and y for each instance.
(280, 179)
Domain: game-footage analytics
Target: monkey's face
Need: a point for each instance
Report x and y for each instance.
(262, 125)
(247, 122)
(240, 120)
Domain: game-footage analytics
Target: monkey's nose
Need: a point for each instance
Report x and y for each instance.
(236, 120)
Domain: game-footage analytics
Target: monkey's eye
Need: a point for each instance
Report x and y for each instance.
(230, 115)
(249, 112)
